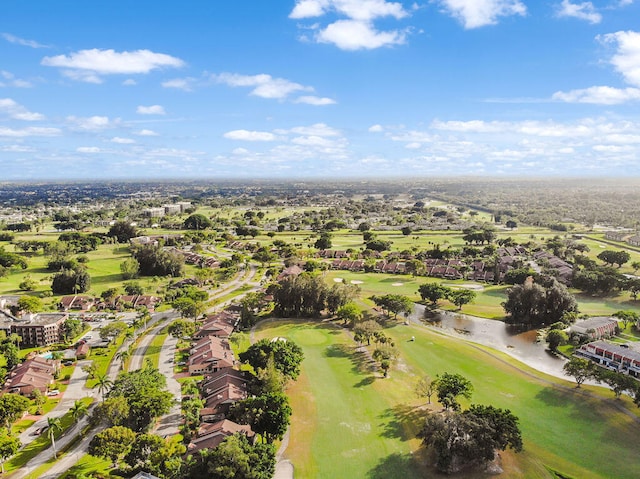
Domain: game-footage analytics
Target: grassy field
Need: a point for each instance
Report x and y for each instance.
(350, 422)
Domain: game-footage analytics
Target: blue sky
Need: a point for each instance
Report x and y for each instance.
(318, 88)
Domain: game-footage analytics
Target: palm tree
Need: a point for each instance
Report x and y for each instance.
(123, 355)
(104, 383)
(54, 427)
(78, 410)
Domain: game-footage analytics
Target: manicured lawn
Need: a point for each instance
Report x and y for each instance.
(349, 422)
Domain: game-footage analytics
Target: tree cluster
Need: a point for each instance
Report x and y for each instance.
(155, 261)
(533, 304)
(308, 295)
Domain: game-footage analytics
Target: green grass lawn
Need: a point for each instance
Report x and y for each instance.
(350, 422)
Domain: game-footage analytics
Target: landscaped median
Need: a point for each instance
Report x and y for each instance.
(349, 421)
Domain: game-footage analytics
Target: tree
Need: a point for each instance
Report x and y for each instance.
(627, 317)
(112, 443)
(78, 410)
(12, 407)
(555, 338)
(71, 281)
(349, 313)
(614, 257)
(426, 387)
(9, 446)
(30, 304)
(286, 354)
(268, 415)
(197, 222)
(365, 331)
(534, 305)
(123, 231)
(112, 330)
(156, 261)
(54, 427)
(113, 410)
(511, 224)
(472, 437)
(394, 303)
(618, 382)
(234, 458)
(581, 369)
(433, 292)
(449, 387)
(129, 268)
(462, 297)
(91, 369)
(189, 308)
(39, 400)
(103, 384)
(153, 454)
(324, 241)
(182, 329)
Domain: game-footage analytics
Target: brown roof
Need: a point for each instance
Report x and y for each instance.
(210, 436)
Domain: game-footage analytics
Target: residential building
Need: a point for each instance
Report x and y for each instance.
(619, 357)
(34, 373)
(597, 327)
(41, 329)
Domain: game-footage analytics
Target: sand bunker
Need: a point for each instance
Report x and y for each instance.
(397, 284)
(337, 280)
(355, 281)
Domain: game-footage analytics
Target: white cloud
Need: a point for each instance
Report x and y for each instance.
(356, 9)
(599, 95)
(129, 82)
(318, 141)
(185, 84)
(358, 35)
(146, 133)
(30, 131)
(89, 65)
(122, 141)
(88, 149)
(318, 129)
(18, 112)
(479, 13)
(357, 31)
(413, 146)
(314, 100)
(309, 9)
(240, 151)
(626, 60)
(21, 41)
(151, 110)
(93, 123)
(9, 79)
(376, 128)
(18, 149)
(246, 135)
(264, 85)
(583, 11)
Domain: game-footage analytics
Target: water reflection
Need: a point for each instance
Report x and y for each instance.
(516, 341)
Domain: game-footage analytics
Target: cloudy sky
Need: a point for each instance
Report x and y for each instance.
(318, 88)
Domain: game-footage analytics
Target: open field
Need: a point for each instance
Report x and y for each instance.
(350, 422)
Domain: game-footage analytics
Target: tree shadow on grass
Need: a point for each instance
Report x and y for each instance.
(369, 380)
(402, 421)
(395, 466)
(360, 361)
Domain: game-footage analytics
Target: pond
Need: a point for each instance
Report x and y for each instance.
(517, 342)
